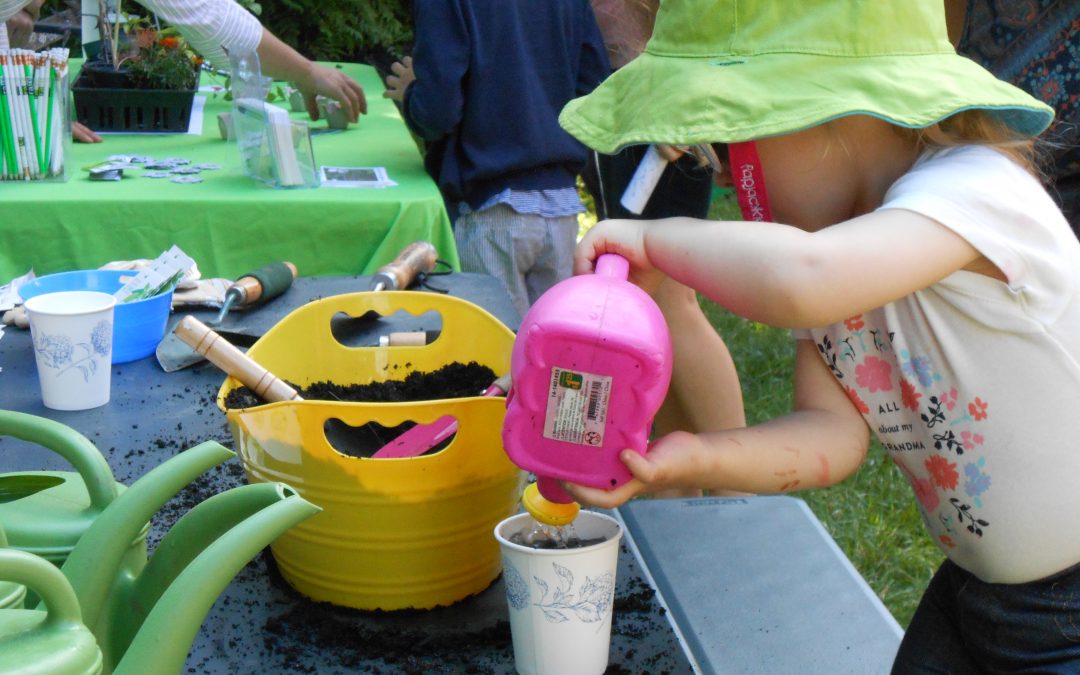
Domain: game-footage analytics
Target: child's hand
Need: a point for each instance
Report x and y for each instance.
(669, 463)
(399, 81)
(625, 237)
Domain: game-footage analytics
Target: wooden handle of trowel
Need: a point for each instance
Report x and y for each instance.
(419, 257)
(224, 355)
(265, 283)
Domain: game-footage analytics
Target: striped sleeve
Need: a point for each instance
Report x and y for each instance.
(208, 25)
(9, 8)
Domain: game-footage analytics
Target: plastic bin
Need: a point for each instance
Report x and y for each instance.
(138, 326)
(394, 533)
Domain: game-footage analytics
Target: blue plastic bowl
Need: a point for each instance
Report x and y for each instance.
(138, 326)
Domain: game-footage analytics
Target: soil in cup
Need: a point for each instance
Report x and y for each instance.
(542, 536)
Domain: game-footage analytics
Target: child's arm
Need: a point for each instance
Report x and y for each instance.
(822, 442)
(705, 394)
(781, 275)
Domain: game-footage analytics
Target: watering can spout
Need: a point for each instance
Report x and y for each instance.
(95, 561)
(165, 637)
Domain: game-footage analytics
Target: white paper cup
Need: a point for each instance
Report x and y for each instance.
(560, 599)
(73, 333)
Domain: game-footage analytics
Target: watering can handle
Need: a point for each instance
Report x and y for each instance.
(69, 444)
(45, 579)
(613, 265)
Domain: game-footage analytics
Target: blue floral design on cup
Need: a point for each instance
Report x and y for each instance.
(58, 351)
(590, 604)
(517, 589)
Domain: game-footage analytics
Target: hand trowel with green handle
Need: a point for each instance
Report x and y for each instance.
(251, 289)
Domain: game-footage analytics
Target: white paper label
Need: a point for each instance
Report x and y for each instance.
(577, 407)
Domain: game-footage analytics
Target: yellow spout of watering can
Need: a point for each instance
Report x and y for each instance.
(547, 511)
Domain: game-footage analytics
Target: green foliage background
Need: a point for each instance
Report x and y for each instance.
(369, 31)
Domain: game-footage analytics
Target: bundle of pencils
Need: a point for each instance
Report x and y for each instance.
(33, 113)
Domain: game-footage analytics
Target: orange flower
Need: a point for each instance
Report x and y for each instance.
(169, 42)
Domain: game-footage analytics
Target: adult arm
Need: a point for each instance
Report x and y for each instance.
(215, 27)
(282, 62)
(9, 8)
(21, 24)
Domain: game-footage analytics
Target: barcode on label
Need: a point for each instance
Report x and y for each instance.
(595, 389)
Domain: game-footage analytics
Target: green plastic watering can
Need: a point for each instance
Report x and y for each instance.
(47, 512)
(50, 642)
(12, 594)
(144, 620)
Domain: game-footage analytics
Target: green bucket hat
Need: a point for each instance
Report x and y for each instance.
(723, 71)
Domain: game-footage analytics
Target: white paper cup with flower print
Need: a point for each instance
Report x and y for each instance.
(560, 599)
(72, 333)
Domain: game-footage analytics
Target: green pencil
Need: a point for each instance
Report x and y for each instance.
(31, 94)
(5, 123)
(49, 117)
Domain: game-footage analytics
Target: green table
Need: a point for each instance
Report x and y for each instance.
(230, 223)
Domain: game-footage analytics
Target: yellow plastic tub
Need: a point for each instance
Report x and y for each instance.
(393, 533)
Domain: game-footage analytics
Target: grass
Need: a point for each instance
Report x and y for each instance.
(871, 515)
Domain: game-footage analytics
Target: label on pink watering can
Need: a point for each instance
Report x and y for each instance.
(577, 407)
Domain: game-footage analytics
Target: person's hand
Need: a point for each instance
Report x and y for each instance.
(21, 25)
(399, 81)
(625, 237)
(84, 134)
(334, 84)
(671, 462)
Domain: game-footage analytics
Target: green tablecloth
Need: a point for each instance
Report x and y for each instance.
(230, 223)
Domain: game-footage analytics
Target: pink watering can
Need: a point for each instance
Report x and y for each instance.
(590, 366)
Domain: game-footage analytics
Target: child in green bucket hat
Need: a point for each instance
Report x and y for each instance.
(893, 218)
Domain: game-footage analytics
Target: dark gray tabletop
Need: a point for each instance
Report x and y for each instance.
(260, 624)
(749, 585)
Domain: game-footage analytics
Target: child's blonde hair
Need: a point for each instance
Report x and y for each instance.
(977, 127)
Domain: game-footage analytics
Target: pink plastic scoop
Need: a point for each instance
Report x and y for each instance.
(423, 437)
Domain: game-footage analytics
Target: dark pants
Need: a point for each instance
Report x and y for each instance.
(684, 188)
(964, 625)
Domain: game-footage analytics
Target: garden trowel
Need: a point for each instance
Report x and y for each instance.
(251, 289)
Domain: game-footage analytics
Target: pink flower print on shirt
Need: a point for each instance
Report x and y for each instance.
(977, 409)
(926, 494)
(947, 540)
(908, 395)
(943, 473)
(924, 489)
(948, 399)
(971, 440)
(854, 323)
(857, 400)
(874, 374)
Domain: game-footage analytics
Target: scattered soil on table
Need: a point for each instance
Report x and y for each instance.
(360, 639)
